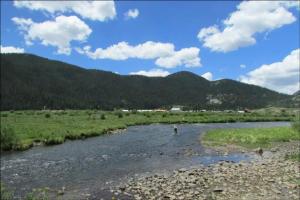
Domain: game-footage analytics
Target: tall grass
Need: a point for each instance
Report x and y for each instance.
(9, 138)
(251, 137)
(5, 193)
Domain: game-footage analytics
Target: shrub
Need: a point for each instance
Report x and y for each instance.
(296, 123)
(47, 115)
(4, 115)
(119, 114)
(127, 114)
(164, 115)
(103, 117)
(134, 111)
(8, 138)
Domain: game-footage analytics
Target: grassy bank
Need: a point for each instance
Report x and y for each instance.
(21, 129)
(251, 137)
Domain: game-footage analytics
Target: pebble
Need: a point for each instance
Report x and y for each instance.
(268, 178)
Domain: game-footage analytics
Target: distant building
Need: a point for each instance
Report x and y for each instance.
(176, 109)
(144, 110)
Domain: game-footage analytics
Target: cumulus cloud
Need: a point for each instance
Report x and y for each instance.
(11, 49)
(58, 33)
(132, 13)
(93, 10)
(282, 76)
(241, 26)
(151, 73)
(187, 57)
(208, 76)
(164, 53)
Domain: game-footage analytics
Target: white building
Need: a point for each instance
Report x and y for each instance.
(176, 109)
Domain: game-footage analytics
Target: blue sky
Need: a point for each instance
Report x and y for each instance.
(259, 43)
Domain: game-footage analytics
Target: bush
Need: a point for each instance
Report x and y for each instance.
(4, 115)
(47, 115)
(164, 115)
(119, 114)
(8, 138)
(103, 117)
(134, 111)
(296, 123)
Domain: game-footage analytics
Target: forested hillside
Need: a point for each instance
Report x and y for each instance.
(32, 82)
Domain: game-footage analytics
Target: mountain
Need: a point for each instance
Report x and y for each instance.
(32, 82)
(297, 93)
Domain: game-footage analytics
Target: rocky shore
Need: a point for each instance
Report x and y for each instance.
(271, 176)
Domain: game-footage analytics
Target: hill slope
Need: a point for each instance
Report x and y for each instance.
(32, 82)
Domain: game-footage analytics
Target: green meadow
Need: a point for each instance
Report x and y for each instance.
(251, 137)
(21, 130)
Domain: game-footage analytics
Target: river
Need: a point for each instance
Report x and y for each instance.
(85, 167)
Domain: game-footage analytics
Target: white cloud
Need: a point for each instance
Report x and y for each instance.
(11, 49)
(58, 33)
(164, 53)
(241, 26)
(187, 57)
(93, 10)
(208, 76)
(132, 13)
(151, 73)
(242, 66)
(281, 76)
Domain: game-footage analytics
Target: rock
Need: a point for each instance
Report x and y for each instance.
(218, 189)
(181, 170)
(122, 188)
(259, 151)
(60, 192)
(266, 178)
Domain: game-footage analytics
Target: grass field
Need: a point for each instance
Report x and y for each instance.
(251, 137)
(21, 129)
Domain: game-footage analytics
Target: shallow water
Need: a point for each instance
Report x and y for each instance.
(86, 166)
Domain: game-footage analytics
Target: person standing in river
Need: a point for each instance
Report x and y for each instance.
(175, 129)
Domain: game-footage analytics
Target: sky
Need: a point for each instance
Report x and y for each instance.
(250, 41)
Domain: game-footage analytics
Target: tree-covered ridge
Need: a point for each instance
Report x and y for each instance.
(32, 82)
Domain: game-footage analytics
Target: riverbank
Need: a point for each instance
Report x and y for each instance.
(271, 176)
(21, 130)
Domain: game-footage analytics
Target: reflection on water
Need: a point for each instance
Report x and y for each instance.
(91, 163)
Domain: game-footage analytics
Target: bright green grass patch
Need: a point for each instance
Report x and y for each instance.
(251, 137)
(21, 129)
